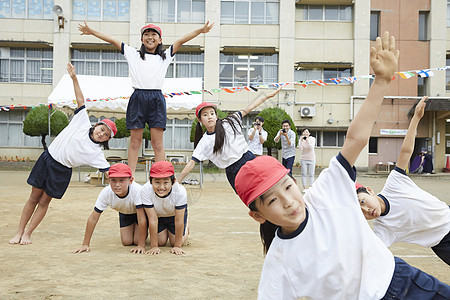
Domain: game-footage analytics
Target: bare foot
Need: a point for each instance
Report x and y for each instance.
(15, 239)
(25, 240)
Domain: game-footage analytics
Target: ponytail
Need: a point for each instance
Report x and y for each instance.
(266, 230)
(198, 133)
(220, 131)
(159, 51)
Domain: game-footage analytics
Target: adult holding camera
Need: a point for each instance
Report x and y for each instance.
(308, 158)
(257, 136)
(287, 137)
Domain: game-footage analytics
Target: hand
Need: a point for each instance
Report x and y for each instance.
(85, 29)
(83, 248)
(153, 251)
(420, 108)
(71, 70)
(177, 251)
(206, 28)
(138, 250)
(384, 57)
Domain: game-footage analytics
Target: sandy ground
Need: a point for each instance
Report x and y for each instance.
(223, 260)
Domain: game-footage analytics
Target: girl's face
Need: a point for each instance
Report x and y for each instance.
(370, 205)
(162, 186)
(282, 205)
(151, 40)
(101, 133)
(208, 118)
(119, 185)
(306, 132)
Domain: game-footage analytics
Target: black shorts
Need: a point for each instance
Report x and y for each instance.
(146, 107)
(129, 219)
(232, 170)
(169, 223)
(50, 176)
(442, 249)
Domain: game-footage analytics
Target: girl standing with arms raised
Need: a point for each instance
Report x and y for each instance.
(148, 67)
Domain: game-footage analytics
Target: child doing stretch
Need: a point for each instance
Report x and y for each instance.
(403, 212)
(318, 245)
(123, 195)
(148, 67)
(223, 142)
(165, 202)
(78, 144)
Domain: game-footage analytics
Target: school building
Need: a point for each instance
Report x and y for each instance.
(252, 42)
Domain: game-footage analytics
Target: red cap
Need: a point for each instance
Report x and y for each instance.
(120, 170)
(358, 185)
(151, 26)
(111, 125)
(257, 176)
(202, 106)
(162, 169)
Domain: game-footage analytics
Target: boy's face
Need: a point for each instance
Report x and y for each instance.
(370, 205)
(208, 118)
(282, 205)
(151, 40)
(162, 186)
(286, 126)
(101, 133)
(119, 185)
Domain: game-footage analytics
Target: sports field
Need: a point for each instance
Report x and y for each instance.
(223, 260)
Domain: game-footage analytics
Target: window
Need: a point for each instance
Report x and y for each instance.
(26, 65)
(374, 25)
(180, 11)
(422, 86)
(327, 138)
(101, 10)
(324, 74)
(11, 130)
(447, 136)
(249, 12)
(447, 75)
(341, 13)
(27, 9)
(423, 26)
(373, 145)
(99, 62)
(247, 69)
(186, 65)
(448, 13)
(113, 143)
(177, 135)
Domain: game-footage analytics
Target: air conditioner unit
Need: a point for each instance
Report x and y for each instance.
(176, 158)
(307, 111)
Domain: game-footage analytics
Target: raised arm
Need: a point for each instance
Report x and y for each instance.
(187, 37)
(258, 102)
(90, 226)
(86, 30)
(384, 62)
(76, 86)
(187, 169)
(408, 142)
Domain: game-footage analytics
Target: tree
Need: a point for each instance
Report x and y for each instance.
(272, 124)
(36, 123)
(122, 130)
(220, 114)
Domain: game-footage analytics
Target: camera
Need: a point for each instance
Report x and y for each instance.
(304, 137)
(284, 130)
(256, 123)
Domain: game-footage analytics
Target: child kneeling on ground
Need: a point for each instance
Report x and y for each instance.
(123, 195)
(165, 203)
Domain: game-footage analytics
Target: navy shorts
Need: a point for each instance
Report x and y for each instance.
(442, 249)
(146, 106)
(127, 219)
(411, 283)
(233, 169)
(169, 223)
(50, 176)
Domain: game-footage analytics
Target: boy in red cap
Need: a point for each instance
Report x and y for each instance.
(318, 245)
(123, 195)
(223, 142)
(78, 144)
(165, 202)
(148, 67)
(402, 211)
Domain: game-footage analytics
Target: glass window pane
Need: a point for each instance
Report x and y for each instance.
(198, 11)
(167, 138)
(153, 11)
(341, 138)
(108, 69)
(122, 69)
(5, 9)
(314, 74)
(226, 75)
(47, 71)
(35, 9)
(79, 67)
(15, 134)
(241, 75)
(270, 74)
(17, 69)
(226, 57)
(272, 13)
(109, 54)
(374, 25)
(79, 9)
(168, 11)
(169, 72)
(329, 138)
(181, 142)
(330, 73)
(346, 13)
(78, 54)
(109, 10)
(4, 70)
(447, 76)
(33, 71)
(197, 70)
(257, 12)
(92, 68)
(92, 54)
(182, 70)
(47, 53)
(33, 53)
(227, 12)
(241, 13)
(423, 28)
(315, 12)
(17, 52)
(331, 12)
(94, 10)
(256, 74)
(18, 8)
(123, 10)
(300, 75)
(184, 11)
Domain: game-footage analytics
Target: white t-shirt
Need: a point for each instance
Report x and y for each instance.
(334, 254)
(255, 145)
(148, 73)
(286, 149)
(165, 207)
(414, 216)
(125, 205)
(234, 146)
(74, 147)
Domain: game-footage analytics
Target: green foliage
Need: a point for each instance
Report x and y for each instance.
(220, 114)
(36, 122)
(122, 130)
(272, 124)
(147, 134)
